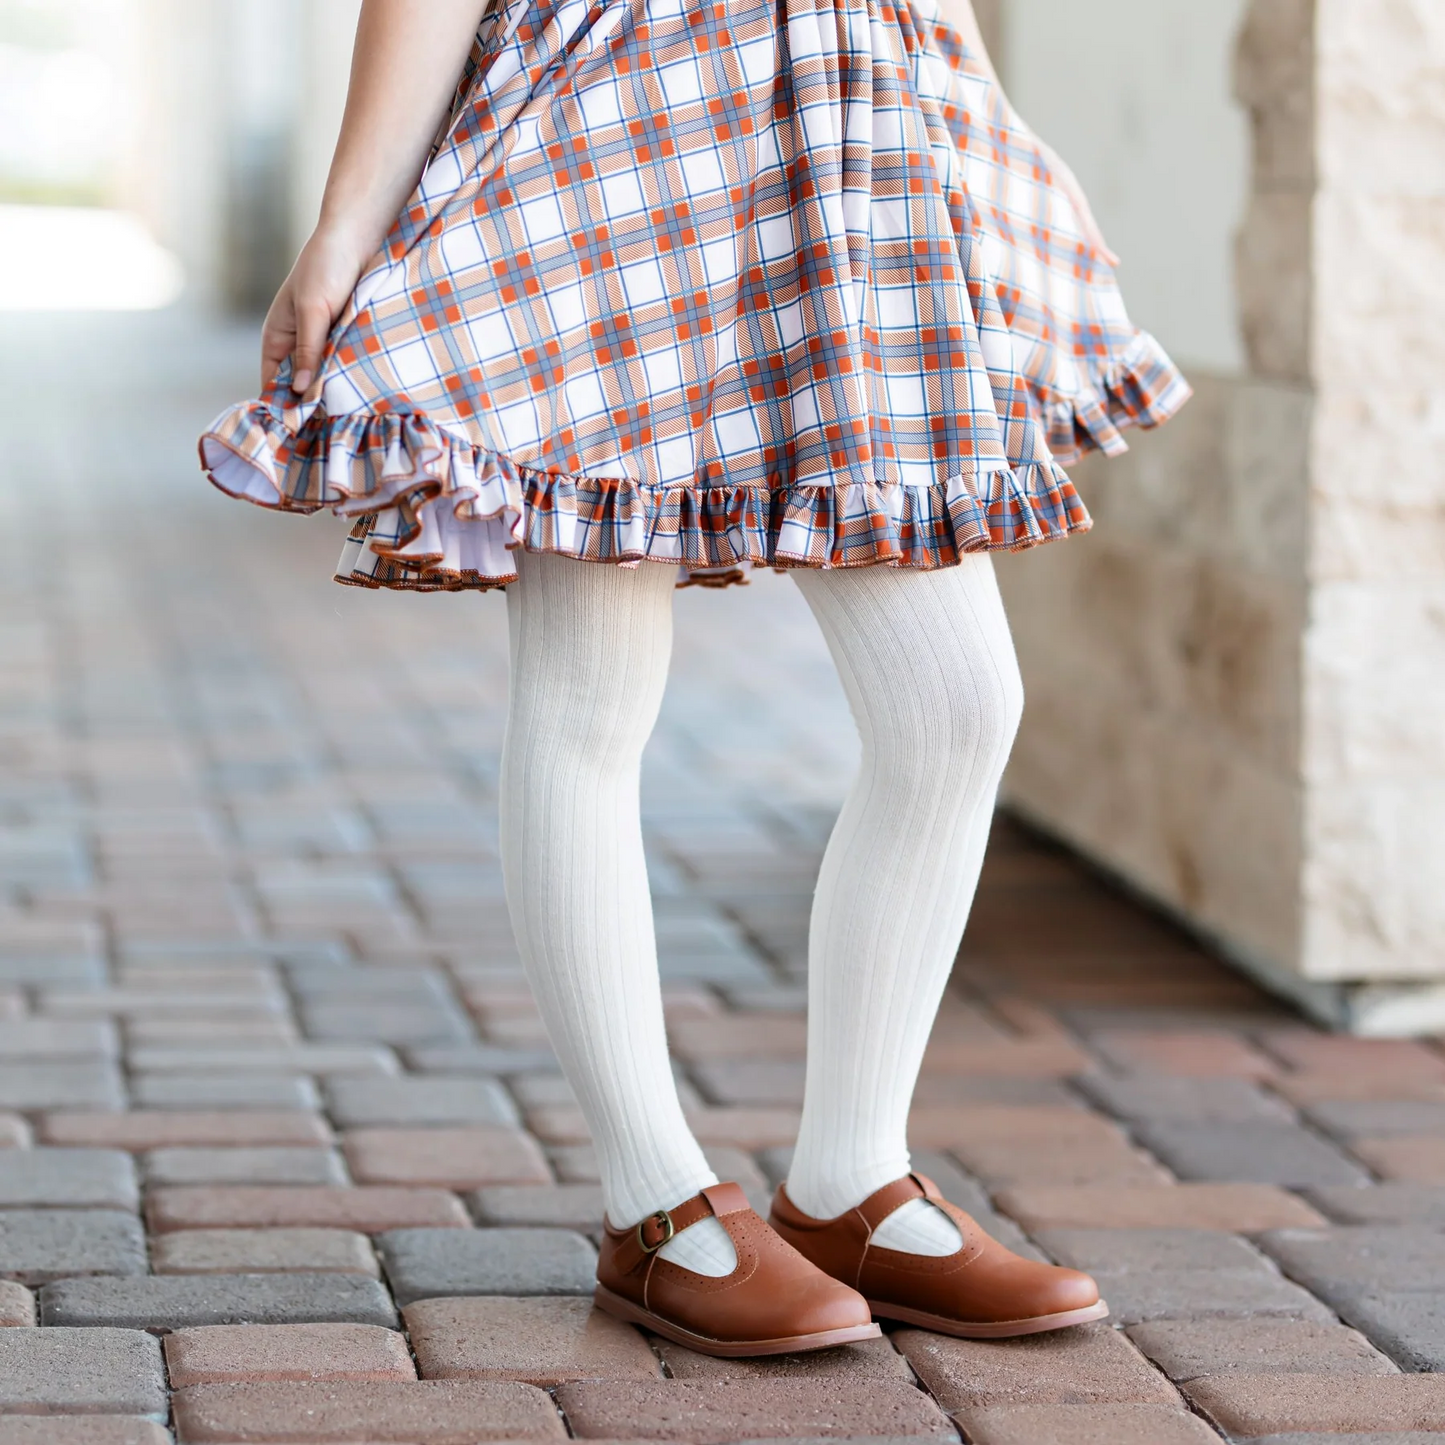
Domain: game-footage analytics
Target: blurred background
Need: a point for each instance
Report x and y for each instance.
(1236, 683)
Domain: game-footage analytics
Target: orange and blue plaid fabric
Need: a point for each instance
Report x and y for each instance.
(775, 282)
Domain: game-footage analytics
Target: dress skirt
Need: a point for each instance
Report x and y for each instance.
(767, 282)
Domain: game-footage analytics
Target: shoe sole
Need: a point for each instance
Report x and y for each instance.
(624, 1309)
(993, 1330)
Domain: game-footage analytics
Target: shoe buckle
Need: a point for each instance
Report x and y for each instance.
(663, 1218)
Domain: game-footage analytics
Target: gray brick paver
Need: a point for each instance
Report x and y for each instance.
(1151, 1274)
(273, 1165)
(1164, 1098)
(1408, 1325)
(212, 1091)
(81, 1430)
(1248, 1152)
(67, 1179)
(1402, 1257)
(492, 1060)
(1349, 1119)
(433, 1099)
(37, 1245)
(81, 1371)
(176, 1301)
(71, 1084)
(1393, 1203)
(56, 1039)
(431, 1263)
(387, 1023)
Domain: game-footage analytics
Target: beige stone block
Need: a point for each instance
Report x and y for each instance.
(1381, 105)
(1171, 488)
(1269, 426)
(1276, 293)
(1237, 646)
(1087, 617)
(1174, 809)
(1274, 77)
(1378, 539)
(1381, 445)
(1158, 630)
(1228, 478)
(1379, 294)
(1374, 880)
(1375, 661)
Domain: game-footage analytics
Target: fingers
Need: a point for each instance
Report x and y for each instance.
(313, 323)
(275, 348)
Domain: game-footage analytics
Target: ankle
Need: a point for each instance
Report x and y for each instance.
(826, 1195)
(628, 1202)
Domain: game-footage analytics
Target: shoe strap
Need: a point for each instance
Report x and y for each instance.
(883, 1202)
(643, 1240)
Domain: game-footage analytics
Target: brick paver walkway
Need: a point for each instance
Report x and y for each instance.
(288, 1158)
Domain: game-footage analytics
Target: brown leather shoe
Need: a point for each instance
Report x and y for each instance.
(983, 1292)
(773, 1303)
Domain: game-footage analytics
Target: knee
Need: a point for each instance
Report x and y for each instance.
(984, 720)
(1008, 707)
(959, 726)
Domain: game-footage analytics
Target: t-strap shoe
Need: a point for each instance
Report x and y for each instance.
(983, 1291)
(773, 1303)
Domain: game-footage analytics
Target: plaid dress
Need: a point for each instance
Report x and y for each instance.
(771, 282)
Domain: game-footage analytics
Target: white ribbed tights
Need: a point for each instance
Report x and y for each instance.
(929, 669)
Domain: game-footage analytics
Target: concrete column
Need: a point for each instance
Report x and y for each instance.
(1237, 682)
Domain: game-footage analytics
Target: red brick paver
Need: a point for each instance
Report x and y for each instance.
(1280, 1404)
(368, 1209)
(462, 1158)
(17, 1305)
(423, 1412)
(158, 1129)
(1416, 1159)
(1086, 1425)
(711, 1412)
(542, 1341)
(1090, 1365)
(245, 1354)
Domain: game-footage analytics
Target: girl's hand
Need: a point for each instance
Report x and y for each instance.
(306, 306)
(1069, 183)
(404, 70)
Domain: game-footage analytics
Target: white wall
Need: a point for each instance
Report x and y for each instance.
(1136, 96)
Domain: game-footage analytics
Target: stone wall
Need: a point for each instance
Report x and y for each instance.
(1162, 665)
(1237, 682)
(1374, 657)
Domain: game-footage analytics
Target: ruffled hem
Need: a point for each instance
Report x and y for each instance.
(435, 512)
(1144, 390)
